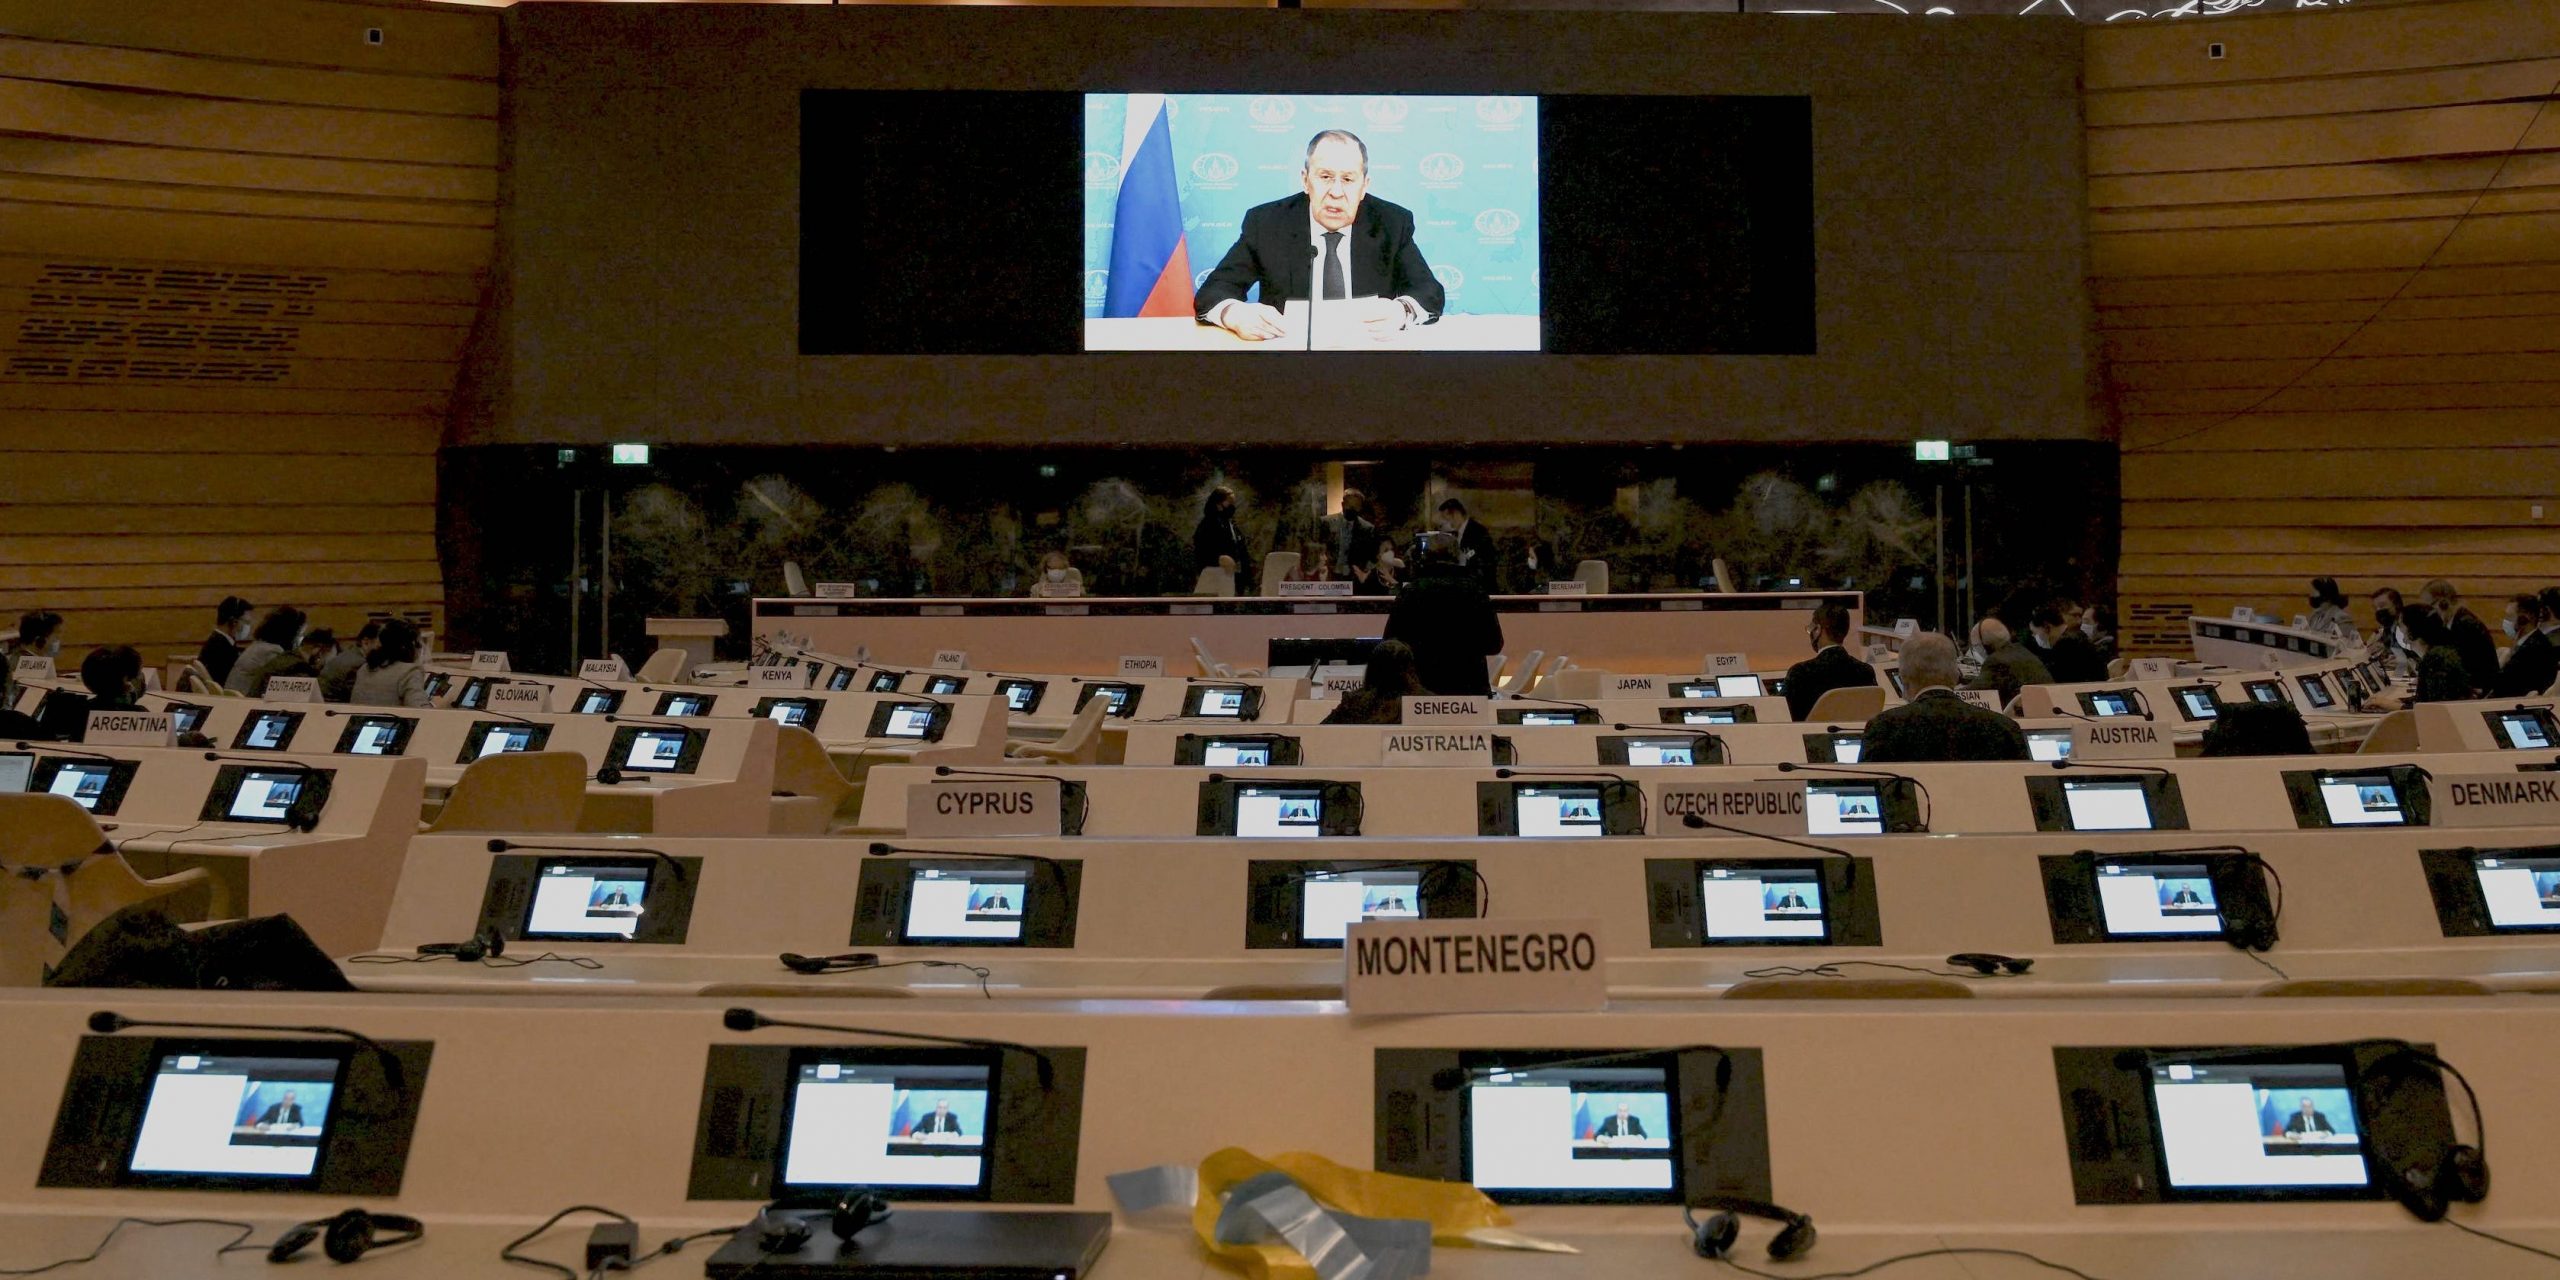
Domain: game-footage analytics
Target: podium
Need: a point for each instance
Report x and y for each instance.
(694, 637)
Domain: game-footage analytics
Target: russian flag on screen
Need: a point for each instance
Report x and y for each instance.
(1150, 265)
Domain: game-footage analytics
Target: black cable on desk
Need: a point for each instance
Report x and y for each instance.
(243, 1228)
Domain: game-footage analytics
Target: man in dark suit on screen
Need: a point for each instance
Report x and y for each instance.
(1362, 250)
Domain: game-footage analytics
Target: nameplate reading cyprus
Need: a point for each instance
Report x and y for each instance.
(132, 729)
(2495, 799)
(1435, 709)
(1437, 746)
(984, 807)
(2138, 740)
(1474, 966)
(1768, 808)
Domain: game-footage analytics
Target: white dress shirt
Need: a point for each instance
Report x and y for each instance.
(1414, 313)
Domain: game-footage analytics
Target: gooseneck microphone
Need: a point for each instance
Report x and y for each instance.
(745, 1019)
(673, 863)
(1057, 870)
(2112, 766)
(1448, 1078)
(107, 1022)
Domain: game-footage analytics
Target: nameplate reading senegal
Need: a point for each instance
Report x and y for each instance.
(1437, 709)
(782, 677)
(292, 689)
(1437, 746)
(1728, 664)
(984, 807)
(2495, 799)
(2125, 740)
(1474, 966)
(606, 670)
(520, 698)
(1647, 687)
(1768, 808)
(489, 660)
(950, 659)
(132, 729)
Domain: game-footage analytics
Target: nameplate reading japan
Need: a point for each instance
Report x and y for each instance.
(292, 689)
(782, 677)
(1474, 966)
(132, 729)
(1634, 687)
(984, 807)
(2495, 799)
(2137, 741)
(1434, 709)
(950, 659)
(1437, 746)
(519, 697)
(607, 670)
(489, 660)
(1767, 808)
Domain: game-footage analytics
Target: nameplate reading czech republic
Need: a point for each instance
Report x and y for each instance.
(1474, 966)
(1769, 808)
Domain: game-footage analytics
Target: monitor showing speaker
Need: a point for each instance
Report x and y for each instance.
(2157, 897)
(1314, 904)
(1761, 902)
(1295, 808)
(601, 897)
(923, 901)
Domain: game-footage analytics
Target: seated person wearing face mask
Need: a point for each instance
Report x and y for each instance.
(113, 676)
(1057, 577)
(2534, 661)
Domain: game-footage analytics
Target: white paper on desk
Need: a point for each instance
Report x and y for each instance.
(1506, 1238)
(1337, 325)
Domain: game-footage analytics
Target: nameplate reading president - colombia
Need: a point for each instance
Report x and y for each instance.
(1474, 966)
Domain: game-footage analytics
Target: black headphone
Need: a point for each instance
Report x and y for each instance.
(1990, 964)
(347, 1236)
(484, 944)
(1715, 1237)
(844, 963)
(2458, 1176)
(784, 1226)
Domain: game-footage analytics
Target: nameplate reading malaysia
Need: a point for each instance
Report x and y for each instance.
(1633, 687)
(606, 670)
(1474, 966)
(2140, 740)
(1295, 590)
(781, 677)
(33, 668)
(1140, 666)
(522, 699)
(132, 729)
(488, 659)
(836, 590)
(2154, 669)
(1767, 808)
(1437, 746)
(950, 659)
(1436, 709)
(2495, 799)
(292, 689)
(984, 807)
(1569, 587)
(1728, 664)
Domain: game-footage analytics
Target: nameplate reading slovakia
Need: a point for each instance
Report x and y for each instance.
(1140, 666)
(1437, 746)
(1728, 664)
(782, 677)
(1633, 687)
(519, 698)
(1768, 808)
(950, 659)
(1292, 590)
(984, 807)
(33, 668)
(1569, 587)
(606, 670)
(488, 659)
(2496, 799)
(132, 729)
(1474, 966)
(2139, 740)
(1435, 709)
(292, 689)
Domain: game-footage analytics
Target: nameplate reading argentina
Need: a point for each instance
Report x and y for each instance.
(1474, 966)
(132, 729)
(984, 807)
(2495, 799)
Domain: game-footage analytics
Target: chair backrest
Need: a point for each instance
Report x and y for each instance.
(2393, 733)
(519, 791)
(1526, 674)
(1538, 683)
(1214, 581)
(801, 767)
(1276, 568)
(1082, 741)
(1209, 666)
(666, 666)
(1574, 685)
(1724, 577)
(1847, 706)
(48, 833)
(1493, 666)
(1849, 989)
(793, 580)
(2297, 988)
(1594, 576)
(38, 829)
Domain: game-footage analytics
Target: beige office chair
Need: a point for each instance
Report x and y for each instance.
(540, 791)
(1724, 577)
(795, 581)
(2117, 668)
(808, 791)
(1493, 669)
(1594, 576)
(1209, 666)
(1080, 744)
(199, 680)
(1276, 568)
(43, 834)
(1849, 989)
(1847, 706)
(1525, 675)
(1214, 581)
(2392, 734)
(1574, 685)
(2360, 988)
(666, 666)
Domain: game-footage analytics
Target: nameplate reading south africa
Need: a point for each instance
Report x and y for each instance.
(1474, 966)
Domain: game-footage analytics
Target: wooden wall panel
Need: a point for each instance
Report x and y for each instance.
(2327, 277)
(241, 248)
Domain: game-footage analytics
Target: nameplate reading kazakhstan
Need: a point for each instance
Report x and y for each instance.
(2111, 740)
(1474, 966)
(292, 689)
(950, 659)
(1334, 686)
(2154, 669)
(781, 677)
(1292, 590)
(606, 670)
(1435, 709)
(488, 659)
(33, 668)
(836, 590)
(1437, 746)
(1768, 808)
(2495, 799)
(1140, 666)
(132, 729)
(984, 807)
(1728, 664)
(1569, 587)
(523, 699)
(1632, 687)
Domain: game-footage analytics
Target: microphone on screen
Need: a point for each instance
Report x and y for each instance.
(673, 863)
(107, 1022)
(1447, 1079)
(1057, 870)
(744, 1019)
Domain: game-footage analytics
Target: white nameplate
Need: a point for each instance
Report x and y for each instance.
(1569, 587)
(292, 689)
(605, 670)
(1437, 746)
(2496, 799)
(1337, 685)
(1292, 589)
(1140, 666)
(2154, 669)
(1769, 808)
(984, 807)
(782, 677)
(488, 659)
(1728, 664)
(1986, 699)
(1633, 687)
(1045, 590)
(151, 679)
(33, 667)
(1906, 627)
(519, 698)
(950, 659)
(836, 590)
(2110, 740)
(1474, 966)
(1434, 709)
(132, 729)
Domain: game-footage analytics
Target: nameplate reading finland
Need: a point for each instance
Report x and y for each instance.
(2495, 799)
(489, 660)
(950, 659)
(782, 677)
(1437, 746)
(132, 729)
(1769, 808)
(984, 807)
(519, 697)
(1474, 966)
(292, 689)
(1435, 709)
(606, 670)
(2109, 740)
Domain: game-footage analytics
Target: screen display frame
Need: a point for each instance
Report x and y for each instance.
(2502, 728)
(937, 719)
(267, 715)
(475, 739)
(991, 1146)
(1195, 701)
(1013, 690)
(679, 704)
(688, 754)
(1665, 1066)
(2340, 1061)
(1761, 869)
(311, 793)
(1126, 692)
(339, 1055)
(1029, 879)
(402, 729)
(653, 878)
(811, 709)
(597, 702)
(110, 793)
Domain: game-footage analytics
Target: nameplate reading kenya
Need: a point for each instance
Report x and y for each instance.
(1474, 966)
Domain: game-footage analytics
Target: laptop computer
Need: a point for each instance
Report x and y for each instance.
(926, 1244)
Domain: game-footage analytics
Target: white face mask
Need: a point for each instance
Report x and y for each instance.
(2508, 626)
(1057, 575)
(2089, 628)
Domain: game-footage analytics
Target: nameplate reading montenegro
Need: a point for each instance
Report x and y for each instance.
(1474, 966)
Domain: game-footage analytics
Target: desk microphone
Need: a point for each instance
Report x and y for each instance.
(673, 863)
(1643, 818)
(58, 749)
(1072, 795)
(1447, 1079)
(107, 1023)
(1057, 870)
(744, 1019)
(1548, 702)
(1697, 823)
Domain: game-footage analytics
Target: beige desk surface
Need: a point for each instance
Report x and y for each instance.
(1180, 333)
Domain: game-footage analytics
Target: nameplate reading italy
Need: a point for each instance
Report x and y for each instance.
(489, 660)
(1437, 709)
(1437, 746)
(2154, 669)
(2495, 799)
(292, 689)
(605, 670)
(519, 698)
(1769, 808)
(132, 729)
(2110, 740)
(1474, 966)
(984, 807)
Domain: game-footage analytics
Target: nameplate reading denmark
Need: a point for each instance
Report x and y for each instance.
(2141, 740)
(607, 670)
(1432, 709)
(782, 677)
(292, 689)
(983, 807)
(1633, 687)
(1728, 664)
(2496, 799)
(950, 659)
(132, 729)
(1768, 808)
(523, 699)
(1570, 587)
(489, 660)
(33, 668)
(1140, 666)
(1293, 590)
(1474, 966)
(1437, 746)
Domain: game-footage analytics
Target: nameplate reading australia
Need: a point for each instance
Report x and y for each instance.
(604, 670)
(1474, 966)
(486, 660)
(523, 699)
(1767, 808)
(1647, 687)
(1728, 664)
(292, 689)
(132, 729)
(2495, 799)
(782, 677)
(984, 807)
(1437, 746)
(2110, 740)
(950, 659)
(1436, 709)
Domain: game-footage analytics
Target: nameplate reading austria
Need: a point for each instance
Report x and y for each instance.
(2137, 741)
(984, 807)
(1474, 966)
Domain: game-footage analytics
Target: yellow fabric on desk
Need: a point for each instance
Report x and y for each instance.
(1452, 1208)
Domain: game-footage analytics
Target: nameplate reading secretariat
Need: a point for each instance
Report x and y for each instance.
(1568, 587)
(1474, 966)
(1435, 709)
(2495, 799)
(837, 590)
(984, 807)
(292, 689)
(132, 729)
(2108, 740)
(1768, 808)
(1437, 746)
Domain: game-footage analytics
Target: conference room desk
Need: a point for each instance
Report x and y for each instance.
(1635, 711)
(1182, 333)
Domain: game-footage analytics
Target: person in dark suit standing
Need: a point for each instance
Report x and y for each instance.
(1935, 724)
(2007, 666)
(2471, 640)
(2067, 655)
(1361, 249)
(2534, 662)
(230, 632)
(1830, 667)
(1217, 543)
(1447, 618)
(1350, 535)
(1474, 542)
